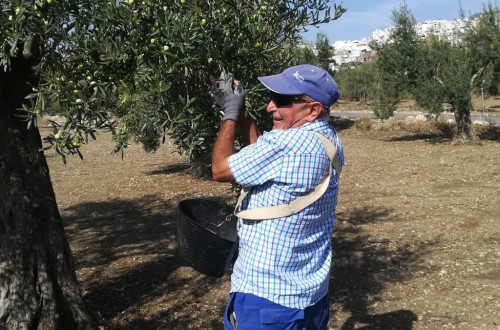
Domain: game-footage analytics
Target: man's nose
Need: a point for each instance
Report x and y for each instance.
(271, 106)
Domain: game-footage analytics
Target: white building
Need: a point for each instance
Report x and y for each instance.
(351, 51)
(449, 30)
(347, 51)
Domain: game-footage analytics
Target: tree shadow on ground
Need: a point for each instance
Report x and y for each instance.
(364, 266)
(171, 169)
(428, 137)
(108, 231)
(110, 234)
(492, 133)
(340, 123)
(126, 250)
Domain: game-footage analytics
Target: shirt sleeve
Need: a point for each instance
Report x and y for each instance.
(258, 162)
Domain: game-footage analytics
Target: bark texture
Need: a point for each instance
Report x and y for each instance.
(38, 285)
(464, 133)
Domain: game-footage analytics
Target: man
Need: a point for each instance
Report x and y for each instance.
(280, 278)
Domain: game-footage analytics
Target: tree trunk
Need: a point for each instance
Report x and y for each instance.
(464, 133)
(38, 285)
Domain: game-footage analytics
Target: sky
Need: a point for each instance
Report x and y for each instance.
(365, 16)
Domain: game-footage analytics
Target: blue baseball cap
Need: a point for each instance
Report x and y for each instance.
(304, 79)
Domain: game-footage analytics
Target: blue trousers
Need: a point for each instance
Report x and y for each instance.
(255, 313)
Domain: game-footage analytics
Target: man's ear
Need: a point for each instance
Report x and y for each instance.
(315, 111)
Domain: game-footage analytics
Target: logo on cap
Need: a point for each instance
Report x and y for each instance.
(298, 76)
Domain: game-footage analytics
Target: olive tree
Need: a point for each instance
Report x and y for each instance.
(137, 68)
(436, 71)
(324, 52)
(319, 53)
(355, 80)
(484, 39)
(304, 54)
(447, 76)
(452, 72)
(397, 64)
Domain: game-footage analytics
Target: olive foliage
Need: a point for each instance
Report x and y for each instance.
(324, 52)
(140, 68)
(319, 53)
(396, 63)
(355, 80)
(484, 40)
(435, 71)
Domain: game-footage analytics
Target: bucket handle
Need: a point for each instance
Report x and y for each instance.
(228, 219)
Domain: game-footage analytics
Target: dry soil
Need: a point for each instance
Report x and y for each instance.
(417, 237)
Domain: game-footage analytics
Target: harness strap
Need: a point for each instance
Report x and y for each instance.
(300, 203)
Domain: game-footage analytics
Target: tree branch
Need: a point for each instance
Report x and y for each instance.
(32, 50)
(475, 75)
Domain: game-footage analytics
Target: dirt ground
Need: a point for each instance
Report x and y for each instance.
(417, 237)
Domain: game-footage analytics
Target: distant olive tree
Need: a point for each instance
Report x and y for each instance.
(484, 39)
(397, 65)
(304, 54)
(324, 52)
(436, 71)
(452, 72)
(447, 76)
(319, 53)
(355, 80)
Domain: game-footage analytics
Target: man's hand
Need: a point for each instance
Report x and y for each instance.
(231, 101)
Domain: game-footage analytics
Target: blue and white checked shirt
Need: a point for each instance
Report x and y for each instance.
(286, 260)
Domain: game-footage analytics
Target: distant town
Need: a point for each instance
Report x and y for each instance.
(347, 51)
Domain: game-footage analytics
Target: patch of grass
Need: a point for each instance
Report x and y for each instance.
(389, 125)
(364, 123)
(480, 129)
(490, 104)
(416, 126)
(445, 129)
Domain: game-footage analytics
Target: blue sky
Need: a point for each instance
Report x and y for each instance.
(365, 16)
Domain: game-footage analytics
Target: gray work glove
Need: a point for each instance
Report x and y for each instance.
(231, 101)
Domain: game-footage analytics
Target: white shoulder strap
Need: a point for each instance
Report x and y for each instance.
(284, 210)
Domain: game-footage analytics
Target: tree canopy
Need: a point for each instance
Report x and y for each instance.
(396, 63)
(483, 40)
(435, 71)
(147, 63)
(355, 80)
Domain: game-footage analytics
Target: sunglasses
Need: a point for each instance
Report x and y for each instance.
(286, 100)
(282, 101)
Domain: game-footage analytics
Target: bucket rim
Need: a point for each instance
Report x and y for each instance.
(191, 220)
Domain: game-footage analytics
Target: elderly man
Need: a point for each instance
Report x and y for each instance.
(290, 179)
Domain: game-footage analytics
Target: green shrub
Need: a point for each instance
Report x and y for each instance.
(364, 124)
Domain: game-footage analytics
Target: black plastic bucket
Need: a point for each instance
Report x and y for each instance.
(206, 235)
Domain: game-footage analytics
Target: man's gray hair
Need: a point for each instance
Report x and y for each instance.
(325, 113)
